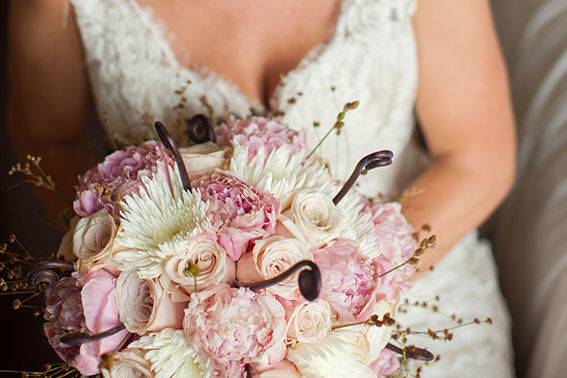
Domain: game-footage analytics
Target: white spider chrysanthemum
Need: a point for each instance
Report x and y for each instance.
(358, 224)
(160, 212)
(339, 354)
(280, 174)
(172, 356)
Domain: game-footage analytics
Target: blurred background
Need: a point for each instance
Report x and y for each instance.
(528, 231)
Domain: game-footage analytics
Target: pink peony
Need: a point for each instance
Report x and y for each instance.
(258, 132)
(119, 174)
(239, 212)
(348, 279)
(387, 364)
(236, 327)
(396, 244)
(83, 304)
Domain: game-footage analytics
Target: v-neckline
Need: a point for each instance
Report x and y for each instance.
(160, 31)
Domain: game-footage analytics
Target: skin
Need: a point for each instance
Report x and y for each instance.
(463, 102)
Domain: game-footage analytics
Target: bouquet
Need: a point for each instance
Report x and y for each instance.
(237, 256)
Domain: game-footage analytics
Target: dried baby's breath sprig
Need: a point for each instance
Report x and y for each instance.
(338, 126)
(34, 173)
(374, 320)
(14, 261)
(56, 370)
(425, 245)
(444, 334)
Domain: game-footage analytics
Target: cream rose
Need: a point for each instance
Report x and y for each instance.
(310, 322)
(93, 239)
(202, 158)
(271, 257)
(212, 264)
(312, 217)
(65, 250)
(144, 306)
(130, 363)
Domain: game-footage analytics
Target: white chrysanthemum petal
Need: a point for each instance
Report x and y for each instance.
(159, 212)
(339, 354)
(280, 173)
(172, 356)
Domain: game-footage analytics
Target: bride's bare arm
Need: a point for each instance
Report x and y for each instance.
(48, 95)
(464, 109)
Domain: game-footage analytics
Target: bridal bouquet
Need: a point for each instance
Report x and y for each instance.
(238, 256)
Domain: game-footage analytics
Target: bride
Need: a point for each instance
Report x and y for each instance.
(146, 60)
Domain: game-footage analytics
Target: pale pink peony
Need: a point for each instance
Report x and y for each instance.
(258, 132)
(119, 174)
(236, 327)
(83, 304)
(348, 279)
(396, 244)
(387, 363)
(240, 213)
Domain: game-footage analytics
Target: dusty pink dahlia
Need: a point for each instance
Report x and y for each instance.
(119, 174)
(257, 132)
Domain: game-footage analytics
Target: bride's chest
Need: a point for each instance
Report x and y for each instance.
(137, 77)
(249, 45)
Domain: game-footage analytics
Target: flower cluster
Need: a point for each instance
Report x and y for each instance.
(196, 282)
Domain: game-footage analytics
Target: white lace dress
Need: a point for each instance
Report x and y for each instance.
(137, 79)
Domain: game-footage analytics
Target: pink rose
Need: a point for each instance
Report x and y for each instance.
(269, 258)
(144, 306)
(258, 132)
(236, 327)
(83, 304)
(212, 263)
(396, 244)
(239, 212)
(119, 174)
(349, 279)
(387, 364)
(202, 158)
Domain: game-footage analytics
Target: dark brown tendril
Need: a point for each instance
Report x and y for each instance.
(47, 273)
(309, 280)
(79, 338)
(412, 352)
(170, 144)
(367, 163)
(200, 129)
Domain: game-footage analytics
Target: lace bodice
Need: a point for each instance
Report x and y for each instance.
(137, 79)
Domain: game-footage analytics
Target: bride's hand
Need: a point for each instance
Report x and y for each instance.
(465, 114)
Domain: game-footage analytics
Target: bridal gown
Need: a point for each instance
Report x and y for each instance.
(137, 79)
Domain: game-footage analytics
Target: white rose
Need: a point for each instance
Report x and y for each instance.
(93, 239)
(202, 158)
(310, 322)
(202, 251)
(65, 250)
(144, 306)
(129, 363)
(271, 257)
(312, 217)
